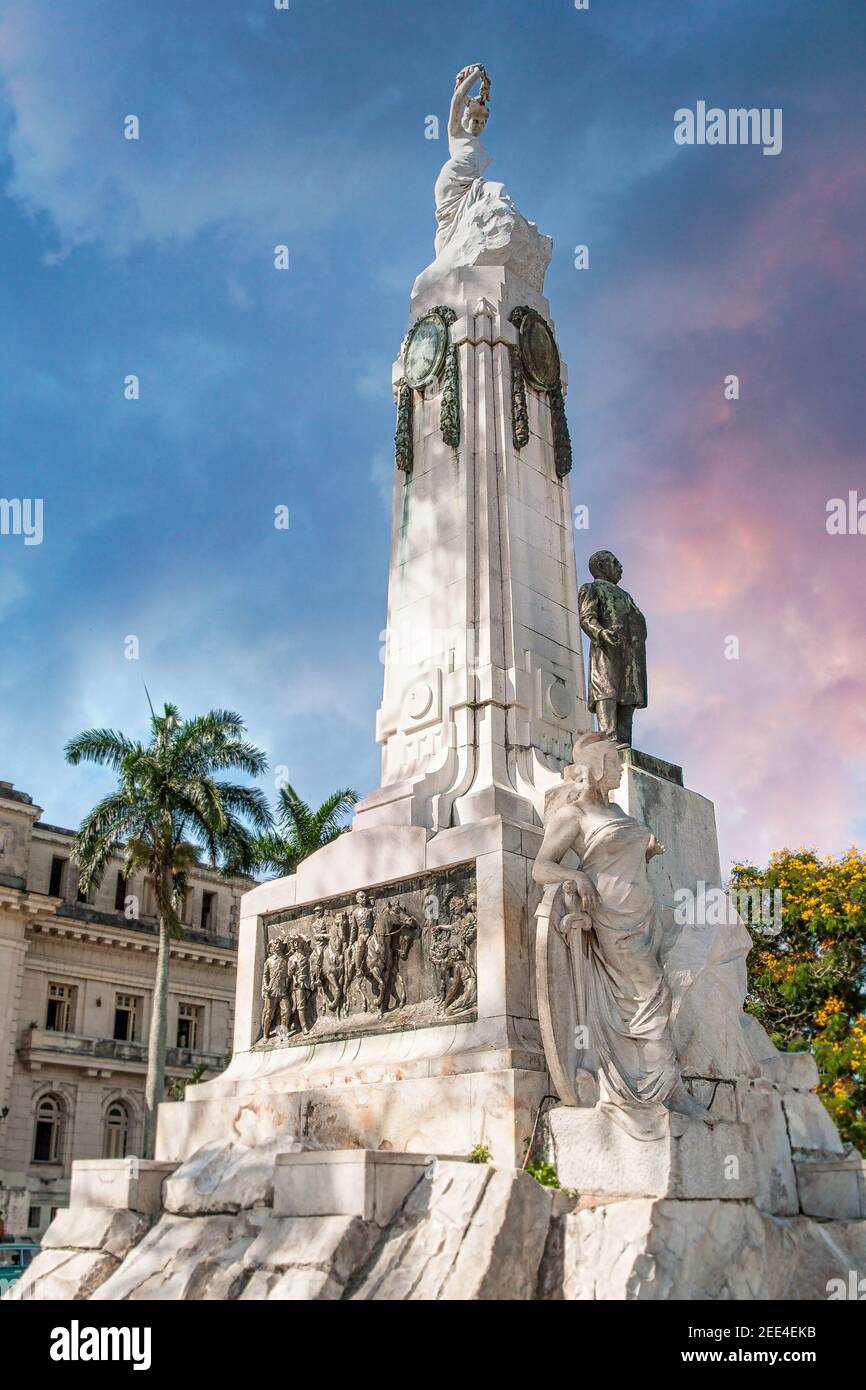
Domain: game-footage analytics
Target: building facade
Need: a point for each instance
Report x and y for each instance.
(76, 992)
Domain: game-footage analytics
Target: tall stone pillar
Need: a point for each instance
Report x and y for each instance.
(484, 684)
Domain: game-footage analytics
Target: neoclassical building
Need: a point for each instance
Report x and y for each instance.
(76, 987)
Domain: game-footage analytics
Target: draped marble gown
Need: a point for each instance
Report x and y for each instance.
(458, 182)
(622, 996)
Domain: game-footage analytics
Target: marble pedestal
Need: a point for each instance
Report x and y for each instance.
(127, 1184)
(449, 1085)
(593, 1154)
(346, 1182)
(443, 1087)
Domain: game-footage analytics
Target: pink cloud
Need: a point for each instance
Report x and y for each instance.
(722, 518)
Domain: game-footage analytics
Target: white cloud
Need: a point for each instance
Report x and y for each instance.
(69, 85)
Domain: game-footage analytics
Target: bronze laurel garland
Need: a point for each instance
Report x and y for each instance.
(403, 437)
(561, 436)
(562, 455)
(519, 411)
(449, 413)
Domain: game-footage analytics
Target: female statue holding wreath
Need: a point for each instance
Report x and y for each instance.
(460, 176)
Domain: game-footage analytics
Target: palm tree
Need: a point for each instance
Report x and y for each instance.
(167, 808)
(300, 830)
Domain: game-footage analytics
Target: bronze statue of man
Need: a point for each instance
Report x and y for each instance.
(275, 985)
(296, 1013)
(616, 629)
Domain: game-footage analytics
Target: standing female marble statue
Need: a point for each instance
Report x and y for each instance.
(622, 998)
(459, 178)
(477, 222)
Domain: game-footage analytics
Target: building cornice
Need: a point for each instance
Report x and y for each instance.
(131, 940)
(43, 916)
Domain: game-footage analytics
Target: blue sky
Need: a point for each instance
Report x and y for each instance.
(261, 388)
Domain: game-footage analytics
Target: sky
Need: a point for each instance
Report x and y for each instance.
(262, 388)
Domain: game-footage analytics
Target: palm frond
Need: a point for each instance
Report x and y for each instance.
(236, 848)
(215, 739)
(329, 818)
(138, 854)
(248, 801)
(199, 798)
(272, 855)
(293, 813)
(112, 820)
(241, 754)
(300, 831)
(105, 747)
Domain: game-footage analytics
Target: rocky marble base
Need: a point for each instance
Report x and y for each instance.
(399, 1229)
(645, 1249)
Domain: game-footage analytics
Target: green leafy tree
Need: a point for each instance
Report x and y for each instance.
(301, 830)
(168, 807)
(175, 1086)
(807, 984)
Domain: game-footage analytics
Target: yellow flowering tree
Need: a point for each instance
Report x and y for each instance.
(807, 983)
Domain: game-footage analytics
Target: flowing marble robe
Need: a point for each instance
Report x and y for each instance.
(621, 993)
(457, 183)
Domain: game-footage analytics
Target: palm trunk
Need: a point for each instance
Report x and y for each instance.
(154, 1091)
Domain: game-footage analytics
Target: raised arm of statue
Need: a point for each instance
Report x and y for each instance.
(465, 82)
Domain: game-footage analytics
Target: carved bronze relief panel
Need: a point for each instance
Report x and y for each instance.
(398, 956)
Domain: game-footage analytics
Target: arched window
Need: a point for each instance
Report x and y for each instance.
(116, 1138)
(48, 1132)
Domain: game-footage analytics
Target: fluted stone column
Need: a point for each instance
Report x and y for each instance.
(484, 685)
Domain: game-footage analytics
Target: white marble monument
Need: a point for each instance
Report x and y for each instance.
(491, 953)
(484, 695)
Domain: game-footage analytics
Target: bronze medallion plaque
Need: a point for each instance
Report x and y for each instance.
(425, 351)
(539, 352)
(398, 956)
